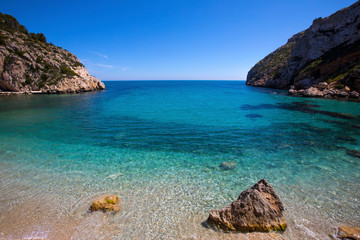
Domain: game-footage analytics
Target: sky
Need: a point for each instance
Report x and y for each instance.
(169, 39)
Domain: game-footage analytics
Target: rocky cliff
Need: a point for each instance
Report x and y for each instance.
(325, 58)
(29, 64)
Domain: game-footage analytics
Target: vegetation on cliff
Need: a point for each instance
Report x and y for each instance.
(28, 63)
(271, 65)
(329, 51)
(339, 67)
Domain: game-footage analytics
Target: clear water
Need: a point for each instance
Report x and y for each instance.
(158, 145)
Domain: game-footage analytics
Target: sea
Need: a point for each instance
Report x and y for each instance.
(158, 146)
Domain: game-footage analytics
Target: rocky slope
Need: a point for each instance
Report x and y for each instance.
(29, 64)
(325, 58)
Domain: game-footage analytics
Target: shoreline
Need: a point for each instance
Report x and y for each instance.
(36, 218)
(20, 93)
(325, 90)
(163, 209)
(357, 100)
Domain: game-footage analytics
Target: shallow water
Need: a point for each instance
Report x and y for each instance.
(158, 145)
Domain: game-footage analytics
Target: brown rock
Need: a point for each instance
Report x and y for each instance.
(343, 94)
(322, 85)
(347, 232)
(354, 94)
(293, 92)
(257, 209)
(332, 92)
(109, 203)
(313, 92)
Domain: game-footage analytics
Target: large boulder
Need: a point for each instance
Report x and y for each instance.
(354, 94)
(257, 209)
(313, 92)
(109, 203)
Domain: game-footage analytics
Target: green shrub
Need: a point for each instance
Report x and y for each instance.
(37, 68)
(33, 36)
(2, 40)
(44, 77)
(38, 36)
(47, 67)
(38, 59)
(8, 61)
(28, 79)
(56, 80)
(10, 24)
(66, 70)
(19, 53)
(78, 64)
(339, 86)
(41, 84)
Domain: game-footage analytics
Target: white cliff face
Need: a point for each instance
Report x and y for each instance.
(336, 31)
(84, 82)
(29, 64)
(343, 27)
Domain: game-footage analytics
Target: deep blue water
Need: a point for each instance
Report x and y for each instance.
(139, 138)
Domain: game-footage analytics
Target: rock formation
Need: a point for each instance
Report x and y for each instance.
(326, 57)
(226, 166)
(353, 153)
(28, 63)
(108, 203)
(347, 232)
(257, 209)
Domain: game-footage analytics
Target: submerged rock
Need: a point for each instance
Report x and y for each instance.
(347, 138)
(109, 203)
(257, 209)
(226, 166)
(347, 232)
(253, 116)
(353, 153)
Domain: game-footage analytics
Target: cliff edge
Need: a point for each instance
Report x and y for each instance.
(325, 58)
(29, 64)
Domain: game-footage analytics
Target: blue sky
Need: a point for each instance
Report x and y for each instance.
(170, 39)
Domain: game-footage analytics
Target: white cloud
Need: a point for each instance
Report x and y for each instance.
(84, 60)
(104, 65)
(99, 54)
(90, 63)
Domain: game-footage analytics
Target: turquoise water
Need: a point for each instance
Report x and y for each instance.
(158, 145)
